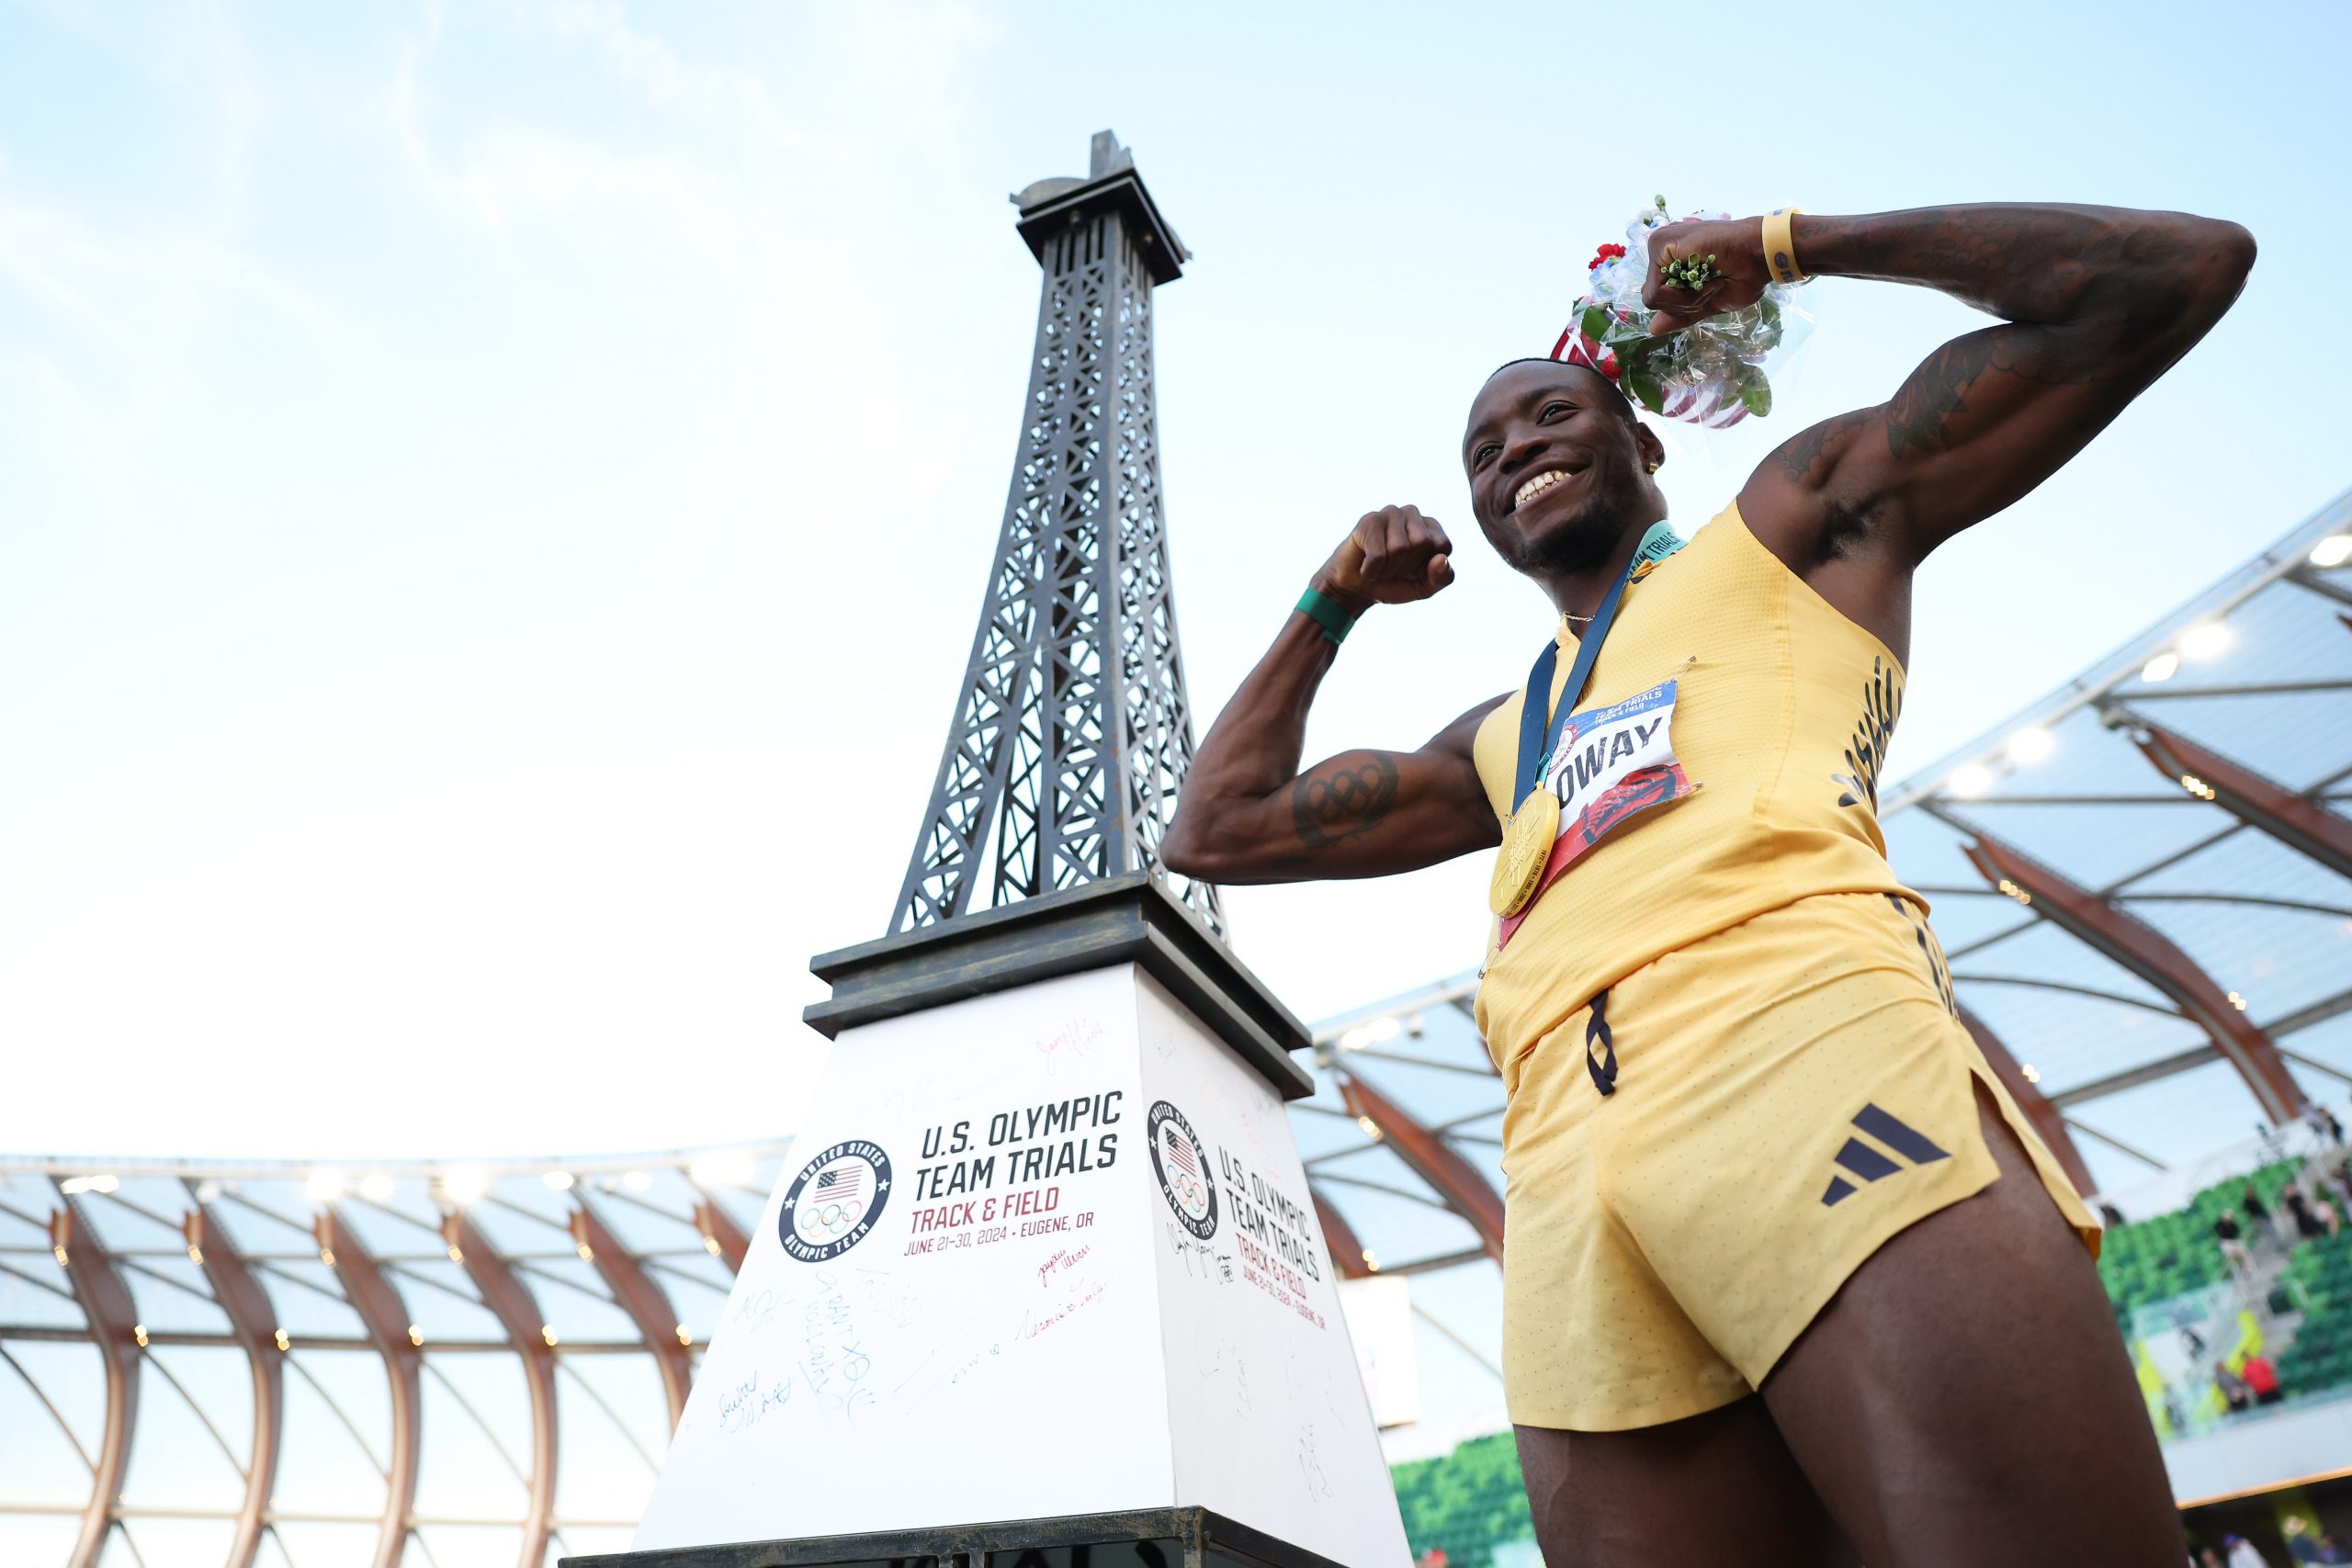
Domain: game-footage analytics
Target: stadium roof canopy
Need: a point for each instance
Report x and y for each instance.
(2144, 885)
(434, 1366)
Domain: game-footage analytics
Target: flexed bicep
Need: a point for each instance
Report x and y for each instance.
(2098, 303)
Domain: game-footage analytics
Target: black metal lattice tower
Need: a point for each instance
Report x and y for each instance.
(1072, 731)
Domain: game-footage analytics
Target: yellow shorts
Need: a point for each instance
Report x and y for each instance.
(1786, 1096)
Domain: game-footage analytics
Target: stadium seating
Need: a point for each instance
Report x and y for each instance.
(1465, 1504)
(2154, 1259)
(2320, 1357)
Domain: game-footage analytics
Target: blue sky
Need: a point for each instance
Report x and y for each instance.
(493, 497)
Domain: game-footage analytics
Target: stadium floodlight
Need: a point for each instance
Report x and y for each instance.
(77, 1186)
(2031, 745)
(1969, 780)
(463, 1184)
(637, 1180)
(376, 1186)
(325, 1184)
(2205, 639)
(2333, 550)
(1381, 1029)
(2160, 667)
(561, 1180)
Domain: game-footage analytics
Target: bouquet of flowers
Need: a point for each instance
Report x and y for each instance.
(1711, 373)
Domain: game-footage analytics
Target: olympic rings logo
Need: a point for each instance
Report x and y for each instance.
(835, 1201)
(828, 1221)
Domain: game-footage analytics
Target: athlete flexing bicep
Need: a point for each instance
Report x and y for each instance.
(2096, 302)
(1786, 1270)
(1248, 814)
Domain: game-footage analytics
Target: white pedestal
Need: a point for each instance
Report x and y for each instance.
(1040, 1252)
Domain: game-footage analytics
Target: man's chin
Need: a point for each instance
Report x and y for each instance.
(1579, 539)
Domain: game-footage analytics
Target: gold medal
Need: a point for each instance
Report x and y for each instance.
(1528, 838)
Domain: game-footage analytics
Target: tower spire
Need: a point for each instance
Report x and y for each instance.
(1072, 731)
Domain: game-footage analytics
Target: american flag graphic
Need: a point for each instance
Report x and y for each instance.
(841, 1184)
(1179, 1149)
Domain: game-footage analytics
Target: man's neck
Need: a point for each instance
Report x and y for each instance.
(1577, 591)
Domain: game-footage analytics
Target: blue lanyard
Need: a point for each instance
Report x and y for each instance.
(1537, 739)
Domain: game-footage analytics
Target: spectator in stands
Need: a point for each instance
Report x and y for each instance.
(2209, 1557)
(2265, 1227)
(2261, 1377)
(2233, 1248)
(2324, 1122)
(2111, 1216)
(2329, 1214)
(2231, 1387)
(2242, 1553)
(2302, 1544)
(2307, 1226)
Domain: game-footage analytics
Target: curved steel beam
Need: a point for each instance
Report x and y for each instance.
(1469, 1193)
(2287, 816)
(2118, 998)
(644, 1302)
(517, 1310)
(2034, 1102)
(721, 1237)
(113, 1318)
(1339, 1239)
(2147, 952)
(254, 1321)
(385, 1316)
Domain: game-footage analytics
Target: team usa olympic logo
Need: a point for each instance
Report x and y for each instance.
(834, 1200)
(1182, 1166)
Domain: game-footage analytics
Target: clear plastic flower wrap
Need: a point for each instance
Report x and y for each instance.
(1712, 372)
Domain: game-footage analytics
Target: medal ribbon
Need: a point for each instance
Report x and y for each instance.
(1537, 739)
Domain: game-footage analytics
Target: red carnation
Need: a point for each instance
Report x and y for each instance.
(1606, 253)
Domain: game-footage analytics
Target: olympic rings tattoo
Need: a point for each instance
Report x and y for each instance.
(1346, 801)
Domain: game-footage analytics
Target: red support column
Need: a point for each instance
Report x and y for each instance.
(1339, 1239)
(1468, 1192)
(2034, 1102)
(517, 1310)
(644, 1302)
(721, 1237)
(254, 1321)
(2287, 816)
(385, 1316)
(2148, 954)
(114, 1328)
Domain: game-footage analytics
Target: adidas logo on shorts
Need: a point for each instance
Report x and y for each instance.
(1860, 1159)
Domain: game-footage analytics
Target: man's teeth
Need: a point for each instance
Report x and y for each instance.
(1537, 486)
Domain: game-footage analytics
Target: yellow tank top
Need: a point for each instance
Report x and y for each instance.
(1782, 717)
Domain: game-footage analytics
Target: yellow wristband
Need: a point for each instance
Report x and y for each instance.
(1779, 250)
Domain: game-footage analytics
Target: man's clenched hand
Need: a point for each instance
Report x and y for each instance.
(1737, 246)
(1394, 556)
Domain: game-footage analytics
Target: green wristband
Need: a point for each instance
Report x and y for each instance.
(1325, 612)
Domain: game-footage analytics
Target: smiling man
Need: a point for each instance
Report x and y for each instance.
(1789, 1279)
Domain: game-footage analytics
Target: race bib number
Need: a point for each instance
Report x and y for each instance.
(1611, 764)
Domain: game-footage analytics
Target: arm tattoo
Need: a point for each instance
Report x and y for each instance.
(1918, 415)
(1809, 457)
(1344, 802)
